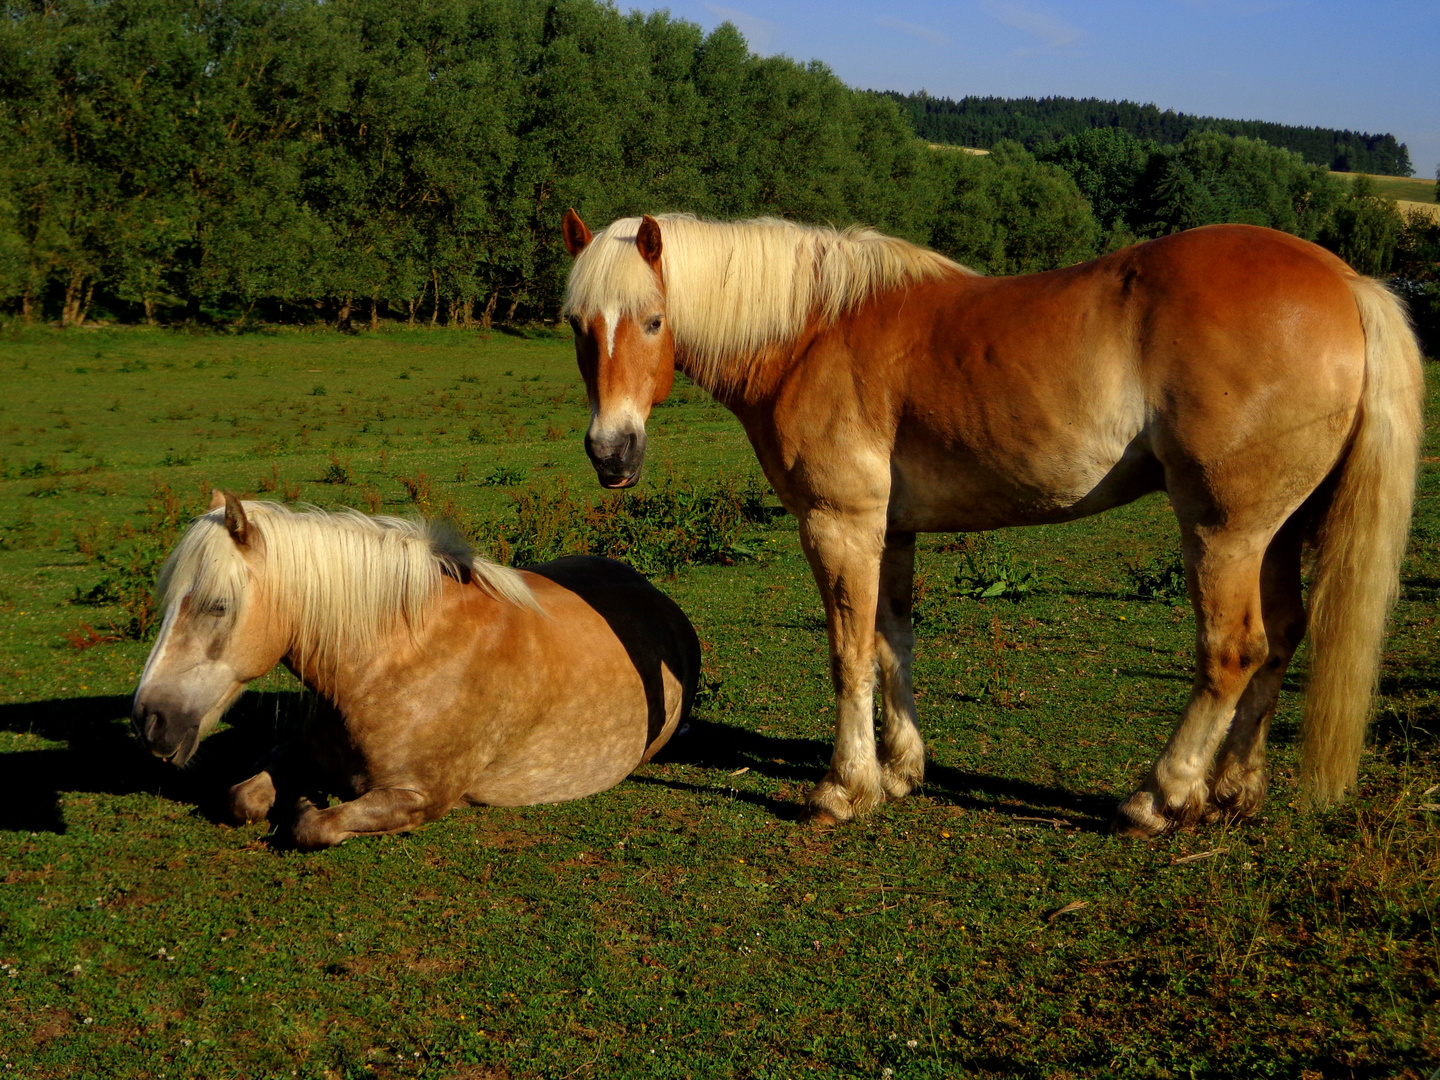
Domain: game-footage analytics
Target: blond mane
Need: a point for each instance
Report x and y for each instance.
(735, 289)
(345, 578)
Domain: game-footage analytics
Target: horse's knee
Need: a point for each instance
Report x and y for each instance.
(250, 800)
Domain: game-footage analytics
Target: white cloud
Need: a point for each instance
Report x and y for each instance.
(759, 33)
(1054, 33)
(924, 33)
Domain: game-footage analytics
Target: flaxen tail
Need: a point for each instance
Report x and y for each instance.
(1361, 543)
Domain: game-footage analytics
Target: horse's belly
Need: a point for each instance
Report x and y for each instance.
(949, 489)
(552, 773)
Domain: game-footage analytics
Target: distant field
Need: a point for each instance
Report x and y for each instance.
(683, 924)
(1409, 188)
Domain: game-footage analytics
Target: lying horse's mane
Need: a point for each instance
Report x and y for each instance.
(734, 289)
(348, 578)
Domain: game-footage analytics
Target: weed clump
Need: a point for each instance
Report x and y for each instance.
(130, 562)
(656, 532)
(1156, 579)
(989, 571)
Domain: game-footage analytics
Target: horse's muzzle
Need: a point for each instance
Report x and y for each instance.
(617, 457)
(169, 735)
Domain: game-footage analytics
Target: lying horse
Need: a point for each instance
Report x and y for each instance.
(1272, 392)
(441, 678)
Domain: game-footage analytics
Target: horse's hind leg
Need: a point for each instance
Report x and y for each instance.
(383, 810)
(1223, 568)
(1237, 786)
(902, 749)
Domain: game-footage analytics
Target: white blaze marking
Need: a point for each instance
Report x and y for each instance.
(611, 315)
(162, 641)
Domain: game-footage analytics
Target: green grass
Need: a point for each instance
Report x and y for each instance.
(682, 924)
(1410, 188)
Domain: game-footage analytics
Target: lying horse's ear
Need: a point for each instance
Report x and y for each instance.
(217, 499)
(577, 236)
(236, 524)
(648, 241)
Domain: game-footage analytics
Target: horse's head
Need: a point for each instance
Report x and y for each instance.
(616, 305)
(216, 635)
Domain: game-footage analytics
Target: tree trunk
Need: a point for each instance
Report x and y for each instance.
(374, 312)
(85, 307)
(27, 307)
(489, 317)
(343, 323)
(72, 298)
(435, 285)
(510, 315)
(149, 311)
(412, 302)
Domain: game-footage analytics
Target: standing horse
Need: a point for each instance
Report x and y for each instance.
(1273, 393)
(441, 678)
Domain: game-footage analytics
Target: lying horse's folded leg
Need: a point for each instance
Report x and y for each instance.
(902, 748)
(845, 556)
(1237, 786)
(1230, 647)
(253, 799)
(383, 810)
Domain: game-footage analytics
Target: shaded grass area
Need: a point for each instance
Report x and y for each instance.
(682, 924)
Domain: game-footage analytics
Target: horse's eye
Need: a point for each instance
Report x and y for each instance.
(653, 326)
(214, 608)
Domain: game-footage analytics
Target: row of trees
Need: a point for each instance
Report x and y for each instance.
(345, 160)
(1034, 122)
(190, 157)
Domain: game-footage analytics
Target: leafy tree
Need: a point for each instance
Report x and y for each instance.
(1364, 228)
(1211, 178)
(1007, 213)
(1114, 170)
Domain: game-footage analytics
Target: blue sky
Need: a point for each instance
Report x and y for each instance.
(1364, 65)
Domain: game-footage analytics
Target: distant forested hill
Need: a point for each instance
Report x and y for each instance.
(1033, 122)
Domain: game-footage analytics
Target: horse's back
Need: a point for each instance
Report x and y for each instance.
(617, 662)
(635, 610)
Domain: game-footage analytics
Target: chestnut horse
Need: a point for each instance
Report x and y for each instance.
(441, 678)
(1273, 393)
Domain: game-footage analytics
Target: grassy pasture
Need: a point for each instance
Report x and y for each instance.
(1407, 188)
(682, 924)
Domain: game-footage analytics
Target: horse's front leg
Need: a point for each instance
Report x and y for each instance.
(902, 749)
(844, 552)
(252, 799)
(382, 810)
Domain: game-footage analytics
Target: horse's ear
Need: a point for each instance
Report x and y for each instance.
(648, 241)
(236, 523)
(577, 236)
(217, 499)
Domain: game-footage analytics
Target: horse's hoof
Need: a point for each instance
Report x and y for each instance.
(819, 819)
(1136, 819)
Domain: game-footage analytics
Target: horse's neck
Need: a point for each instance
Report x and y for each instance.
(738, 382)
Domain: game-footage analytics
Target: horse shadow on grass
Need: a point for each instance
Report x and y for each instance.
(725, 748)
(103, 756)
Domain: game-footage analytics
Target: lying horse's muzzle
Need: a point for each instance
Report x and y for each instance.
(171, 735)
(617, 457)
